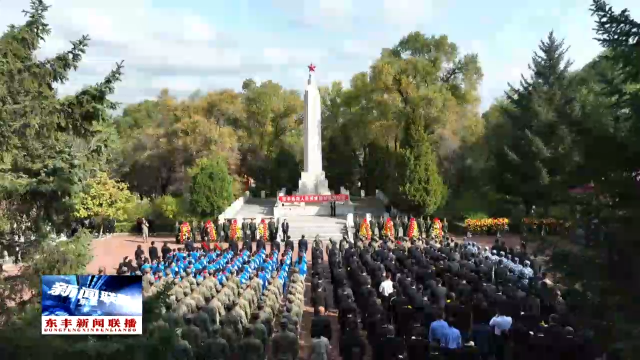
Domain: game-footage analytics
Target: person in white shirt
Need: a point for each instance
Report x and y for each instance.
(386, 287)
(500, 323)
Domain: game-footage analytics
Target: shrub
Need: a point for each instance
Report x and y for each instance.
(211, 188)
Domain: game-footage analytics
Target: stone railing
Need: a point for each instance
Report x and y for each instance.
(234, 207)
(382, 197)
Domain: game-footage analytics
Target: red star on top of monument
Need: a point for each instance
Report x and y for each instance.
(312, 68)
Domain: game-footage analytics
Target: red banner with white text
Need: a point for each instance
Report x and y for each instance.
(313, 198)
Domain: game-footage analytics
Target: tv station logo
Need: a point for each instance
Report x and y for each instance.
(91, 305)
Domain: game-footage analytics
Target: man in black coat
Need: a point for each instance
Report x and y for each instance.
(165, 250)
(302, 246)
(288, 244)
(321, 324)
(226, 226)
(253, 228)
(153, 251)
(285, 229)
(273, 230)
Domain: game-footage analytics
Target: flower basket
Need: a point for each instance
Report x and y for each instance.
(211, 230)
(388, 229)
(549, 225)
(185, 232)
(413, 229)
(234, 234)
(486, 225)
(365, 229)
(436, 229)
(262, 230)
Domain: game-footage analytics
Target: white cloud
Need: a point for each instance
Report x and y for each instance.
(407, 15)
(181, 49)
(173, 48)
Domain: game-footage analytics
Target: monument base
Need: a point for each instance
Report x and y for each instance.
(309, 209)
(313, 184)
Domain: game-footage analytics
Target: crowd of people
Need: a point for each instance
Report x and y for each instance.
(414, 299)
(226, 303)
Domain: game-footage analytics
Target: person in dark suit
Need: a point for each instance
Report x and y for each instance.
(321, 324)
(226, 226)
(302, 246)
(285, 229)
(288, 244)
(153, 251)
(165, 250)
(253, 229)
(273, 230)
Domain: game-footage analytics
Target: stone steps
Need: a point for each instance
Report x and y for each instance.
(254, 207)
(310, 226)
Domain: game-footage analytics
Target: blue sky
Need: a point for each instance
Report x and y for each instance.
(197, 44)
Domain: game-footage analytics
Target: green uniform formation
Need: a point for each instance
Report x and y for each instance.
(215, 320)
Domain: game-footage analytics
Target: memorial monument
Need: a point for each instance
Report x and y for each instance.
(313, 196)
(312, 179)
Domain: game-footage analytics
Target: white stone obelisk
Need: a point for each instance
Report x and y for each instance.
(312, 179)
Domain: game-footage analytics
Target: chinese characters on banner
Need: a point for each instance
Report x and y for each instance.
(92, 325)
(91, 305)
(88, 296)
(313, 198)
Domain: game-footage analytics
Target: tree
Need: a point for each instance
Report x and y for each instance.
(49, 144)
(102, 199)
(421, 184)
(211, 188)
(538, 157)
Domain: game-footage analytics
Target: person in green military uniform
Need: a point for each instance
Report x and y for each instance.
(229, 334)
(284, 344)
(191, 333)
(215, 348)
(396, 226)
(421, 229)
(405, 226)
(226, 226)
(259, 330)
(182, 350)
(250, 347)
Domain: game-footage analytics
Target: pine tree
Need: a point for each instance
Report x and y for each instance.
(422, 187)
(538, 157)
(599, 276)
(49, 144)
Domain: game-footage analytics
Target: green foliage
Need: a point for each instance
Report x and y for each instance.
(422, 185)
(49, 144)
(138, 208)
(169, 208)
(103, 198)
(537, 159)
(211, 188)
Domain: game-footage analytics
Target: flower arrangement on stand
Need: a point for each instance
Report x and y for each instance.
(388, 228)
(488, 224)
(262, 229)
(550, 225)
(365, 229)
(413, 229)
(436, 229)
(185, 232)
(211, 229)
(233, 230)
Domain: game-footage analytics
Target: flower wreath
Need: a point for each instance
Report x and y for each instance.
(185, 232)
(388, 228)
(365, 229)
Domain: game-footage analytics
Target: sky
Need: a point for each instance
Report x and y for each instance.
(214, 44)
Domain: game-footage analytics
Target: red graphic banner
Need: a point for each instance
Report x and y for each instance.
(313, 198)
